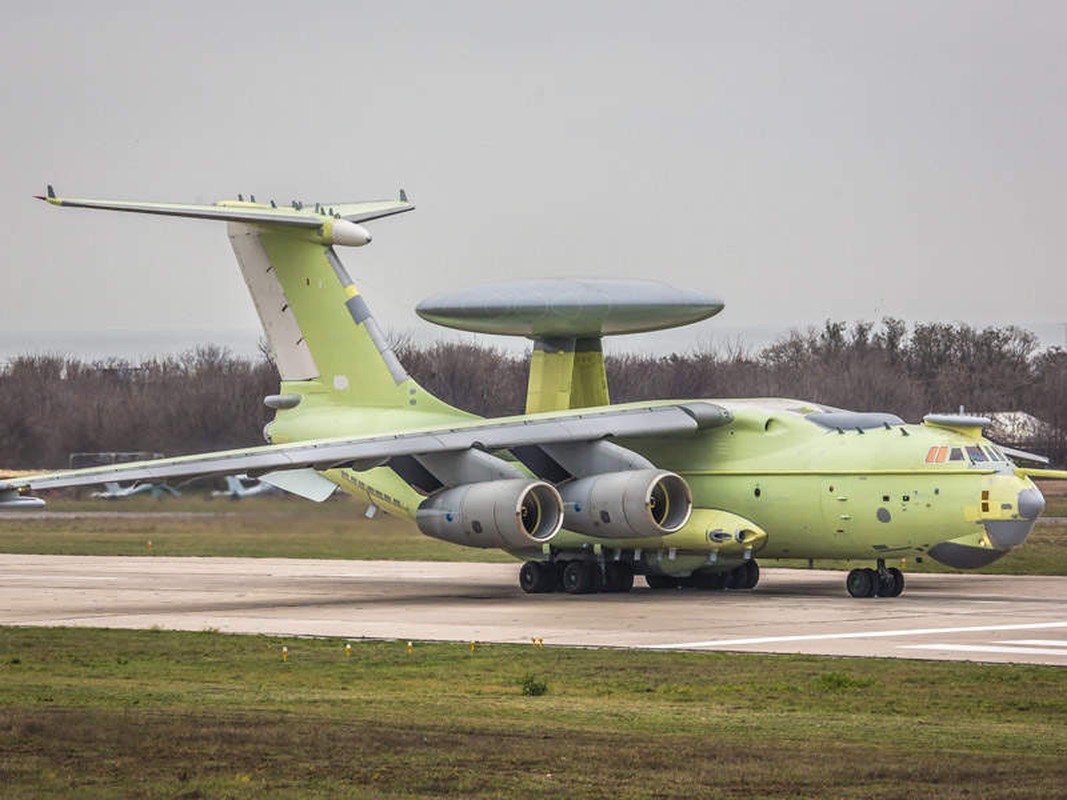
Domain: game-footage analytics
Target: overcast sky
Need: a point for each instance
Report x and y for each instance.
(801, 160)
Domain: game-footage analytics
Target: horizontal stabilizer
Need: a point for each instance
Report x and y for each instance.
(293, 215)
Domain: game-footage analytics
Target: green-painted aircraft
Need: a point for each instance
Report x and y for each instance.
(587, 494)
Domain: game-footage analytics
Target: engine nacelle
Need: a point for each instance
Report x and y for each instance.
(513, 514)
(627, 505)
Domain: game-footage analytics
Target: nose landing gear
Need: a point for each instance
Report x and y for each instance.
(879, 582)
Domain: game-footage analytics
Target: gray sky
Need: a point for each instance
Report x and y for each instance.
(801, 160)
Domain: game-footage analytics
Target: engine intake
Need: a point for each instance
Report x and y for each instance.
(513, 514)
(627, 505)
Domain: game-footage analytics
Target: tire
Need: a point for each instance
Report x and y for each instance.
(886, 584)
(751, 577)
(709, 581)
(661, 582)
(875, 580)
(578, 577)
(618, 577)
(898, 582)
(537, 577)
(859, 583)
(745, 576)
(530, 577)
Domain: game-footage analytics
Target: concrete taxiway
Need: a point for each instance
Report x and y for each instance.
(990, 618)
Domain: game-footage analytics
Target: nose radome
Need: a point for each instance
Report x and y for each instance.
(1031, 503)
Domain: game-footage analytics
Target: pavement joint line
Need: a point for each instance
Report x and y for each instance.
(814, 637)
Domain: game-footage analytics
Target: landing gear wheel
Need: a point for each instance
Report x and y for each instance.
(892, 584)
(579, 577)
(862, 582)
(708, 580)
(745, 576)
(661, 582)
(537, 577)
(876, 581)
(618, 577)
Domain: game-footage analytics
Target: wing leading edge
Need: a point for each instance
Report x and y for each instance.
(369, 451)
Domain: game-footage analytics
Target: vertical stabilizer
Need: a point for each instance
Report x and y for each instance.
(325, 341)
(318, 325)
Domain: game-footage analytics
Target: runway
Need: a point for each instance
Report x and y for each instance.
(990, 618)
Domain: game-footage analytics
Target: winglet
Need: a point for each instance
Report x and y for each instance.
(403, 196)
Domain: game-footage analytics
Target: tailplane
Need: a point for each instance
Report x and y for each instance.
(325, 342)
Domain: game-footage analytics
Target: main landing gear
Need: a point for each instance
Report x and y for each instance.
(586, 576)
(745, 576)
(879, 582)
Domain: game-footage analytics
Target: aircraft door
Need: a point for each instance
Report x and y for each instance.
(836, 505)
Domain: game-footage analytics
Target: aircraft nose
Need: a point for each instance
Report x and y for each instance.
(1031, 503)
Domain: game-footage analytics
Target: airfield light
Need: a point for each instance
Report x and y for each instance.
(285, 654)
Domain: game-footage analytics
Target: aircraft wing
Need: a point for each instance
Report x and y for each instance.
(364, 452)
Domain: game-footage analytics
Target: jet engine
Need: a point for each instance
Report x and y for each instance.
(627, 505)
(513, 514)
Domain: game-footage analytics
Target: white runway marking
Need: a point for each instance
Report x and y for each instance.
(1040, 642)
(812, 637)
(988, 648)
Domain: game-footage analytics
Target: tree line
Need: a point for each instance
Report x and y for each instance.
(51, 406)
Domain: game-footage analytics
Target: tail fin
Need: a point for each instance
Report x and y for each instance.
(321, 332)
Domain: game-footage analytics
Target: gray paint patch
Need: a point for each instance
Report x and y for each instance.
(1008, 533)
(963, 557)
(1031, 503)
(359, 309)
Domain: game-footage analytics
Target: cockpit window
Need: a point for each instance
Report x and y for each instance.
(937, 455)
(976, 455)
(957, 454)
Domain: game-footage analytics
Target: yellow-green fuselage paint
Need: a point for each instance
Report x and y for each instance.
(803, 491)
(566, 373)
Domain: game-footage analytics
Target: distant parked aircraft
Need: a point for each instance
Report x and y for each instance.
(115, 491)
(239, 487)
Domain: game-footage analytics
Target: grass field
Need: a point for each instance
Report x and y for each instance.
(259, 527)
(284, 528)
(162, 714)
